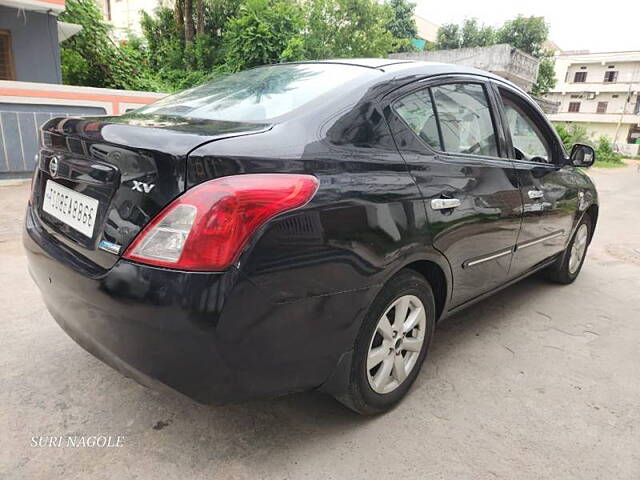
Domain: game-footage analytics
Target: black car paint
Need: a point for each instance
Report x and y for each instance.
(101, 156)
(488, 219)
(285, 316)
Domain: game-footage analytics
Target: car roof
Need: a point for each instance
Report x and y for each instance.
(375, 63)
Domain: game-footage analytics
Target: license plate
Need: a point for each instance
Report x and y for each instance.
(75, 209)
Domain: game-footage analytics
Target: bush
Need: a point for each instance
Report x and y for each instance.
(349, 28)
(573, 133)
(229, 35)
(605, 152)
(90, 57)
(264, 31)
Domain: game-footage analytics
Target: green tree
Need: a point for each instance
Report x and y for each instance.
(403, 23)
(348, 28)
(449, 37)
(196, 39)
(173, 63)
(90, 57)
(546, 76)
(264, 31)
(529, 34)
(475, 35)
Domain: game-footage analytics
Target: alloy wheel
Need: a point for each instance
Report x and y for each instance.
(578, 248)
(396, 344)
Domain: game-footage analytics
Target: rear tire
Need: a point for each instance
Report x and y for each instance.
(391, 345)
(567, 268)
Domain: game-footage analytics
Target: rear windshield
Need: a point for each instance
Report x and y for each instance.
(258, 94)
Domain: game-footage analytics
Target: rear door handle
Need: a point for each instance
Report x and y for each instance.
(444, 203)
(535, 194)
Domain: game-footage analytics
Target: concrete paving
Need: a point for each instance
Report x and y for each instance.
(539, 382)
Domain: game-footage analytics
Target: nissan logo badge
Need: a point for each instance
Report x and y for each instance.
(53, 166)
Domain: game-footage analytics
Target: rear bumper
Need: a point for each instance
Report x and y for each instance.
(214, 337)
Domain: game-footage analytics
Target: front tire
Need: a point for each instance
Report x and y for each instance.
(391, 345)
(567, 268)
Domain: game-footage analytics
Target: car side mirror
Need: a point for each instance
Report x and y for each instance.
(582, 155)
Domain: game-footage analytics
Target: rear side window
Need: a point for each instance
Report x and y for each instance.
(453, 118)
(465, 119)
(417, 110)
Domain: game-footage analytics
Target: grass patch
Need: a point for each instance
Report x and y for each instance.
(600, 164)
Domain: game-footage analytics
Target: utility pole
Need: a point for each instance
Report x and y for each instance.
(634, 77)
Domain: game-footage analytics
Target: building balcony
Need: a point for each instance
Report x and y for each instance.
(592, 117)
(597, 87)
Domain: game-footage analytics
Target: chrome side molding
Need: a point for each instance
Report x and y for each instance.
(493, 256)
(539, 240)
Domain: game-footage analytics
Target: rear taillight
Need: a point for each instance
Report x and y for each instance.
(207, 227)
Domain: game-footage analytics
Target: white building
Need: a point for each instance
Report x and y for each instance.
(427, 30)
(601, 92)
(124, 15)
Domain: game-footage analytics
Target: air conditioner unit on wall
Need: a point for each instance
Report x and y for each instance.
(591, 96)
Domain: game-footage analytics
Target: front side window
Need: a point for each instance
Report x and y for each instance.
(465, 119)
(602, 107)
(259, 94)
(610, 76)
(528, 141)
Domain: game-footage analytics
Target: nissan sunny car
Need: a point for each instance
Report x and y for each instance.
(300, 226)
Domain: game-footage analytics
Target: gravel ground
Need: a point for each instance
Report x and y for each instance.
(539, 381)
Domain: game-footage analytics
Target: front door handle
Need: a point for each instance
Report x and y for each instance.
(444, 203)
(535, 194)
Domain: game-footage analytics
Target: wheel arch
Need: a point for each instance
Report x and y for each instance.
(435, 268)
(436, 277)
(592, 211)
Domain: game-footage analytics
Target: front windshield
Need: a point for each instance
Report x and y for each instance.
(258, 94)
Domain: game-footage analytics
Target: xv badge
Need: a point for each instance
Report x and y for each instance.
(142, 187)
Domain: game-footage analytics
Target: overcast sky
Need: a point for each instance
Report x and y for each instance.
(608, 25)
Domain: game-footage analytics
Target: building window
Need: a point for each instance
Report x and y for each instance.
(610, 77)
(636, 110)
(615, 96)
(576, 96)
(580, 77)
(7, 70)
(602, 107)
(574, 107)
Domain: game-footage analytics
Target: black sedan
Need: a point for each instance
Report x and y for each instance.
(300, 226)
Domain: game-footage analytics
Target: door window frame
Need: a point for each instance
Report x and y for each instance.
(447, 79)
(535, 114)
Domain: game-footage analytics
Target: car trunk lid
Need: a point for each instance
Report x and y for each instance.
(100, 180)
